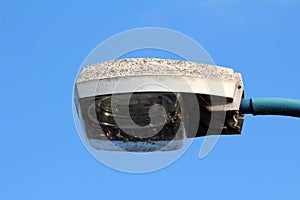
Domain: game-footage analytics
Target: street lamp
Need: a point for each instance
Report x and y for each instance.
(147, 104)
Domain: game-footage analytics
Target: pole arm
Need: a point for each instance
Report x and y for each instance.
(271, 106)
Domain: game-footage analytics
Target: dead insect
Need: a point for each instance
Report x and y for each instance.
(108, 134)
(119, 135)
(179, 115)
(172, 120)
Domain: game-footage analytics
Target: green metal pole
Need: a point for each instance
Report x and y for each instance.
(271, 106)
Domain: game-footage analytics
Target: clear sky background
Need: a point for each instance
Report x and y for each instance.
(42, 45)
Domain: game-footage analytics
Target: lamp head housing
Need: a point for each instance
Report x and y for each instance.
(148, 104)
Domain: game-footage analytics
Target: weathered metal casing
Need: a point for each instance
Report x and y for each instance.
(218, 89)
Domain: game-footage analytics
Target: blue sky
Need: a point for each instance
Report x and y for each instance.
(42, 46)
